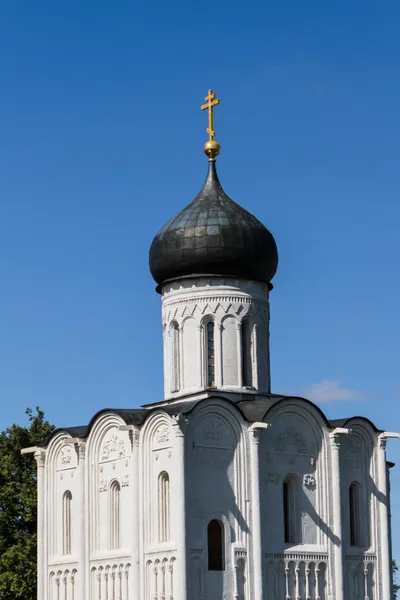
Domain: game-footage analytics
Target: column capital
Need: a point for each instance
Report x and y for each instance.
(382, 442)
(334, 436)
(255, 432)
(179, 424)
(133, 432)
(40, 457)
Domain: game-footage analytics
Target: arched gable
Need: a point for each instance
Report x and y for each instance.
(296, 443)
(157, 440)
(358, 467)
(108, 451)
(217, 458)
(61, 463)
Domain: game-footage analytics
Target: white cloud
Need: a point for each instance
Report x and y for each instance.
(330, 391)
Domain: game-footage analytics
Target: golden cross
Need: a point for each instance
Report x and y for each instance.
(211, 102)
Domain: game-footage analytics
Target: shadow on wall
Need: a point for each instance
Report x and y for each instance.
(217, 513)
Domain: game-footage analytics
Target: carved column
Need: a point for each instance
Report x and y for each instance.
(257, 364)
(133, 475)
(201, 368)
(179, 502)
(255, 432)
(337, 516)
(40, 456)
(239, 354)
(81, 548)
(218, 362)
(383, 519)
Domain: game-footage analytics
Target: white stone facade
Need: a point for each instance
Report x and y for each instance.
(239, 313)
(223, 490)
(142, 498)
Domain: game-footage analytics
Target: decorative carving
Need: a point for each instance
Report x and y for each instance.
(103, 485)
(291, 441)
(382, 443)
(162, 434)
(309, 480)
(125, 480)
(40, 456)
(179, 423)
(273, 478)
(135, 436)
(66, 455)
(212, 430)
(81, 450)
(114, 447)
(335, 441)
(354, 443)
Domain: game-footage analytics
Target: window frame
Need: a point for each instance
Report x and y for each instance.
(292, 533)
(355, 506)
(114, 515)
(164, 507)
(216, 555)
(67, 523)
(210, 381)
(175, 356)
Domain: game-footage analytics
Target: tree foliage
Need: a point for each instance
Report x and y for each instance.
(396, 586)
(18, 507)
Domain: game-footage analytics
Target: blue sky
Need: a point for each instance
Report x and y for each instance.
(101, 142)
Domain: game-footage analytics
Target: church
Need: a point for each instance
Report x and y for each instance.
(224, 490)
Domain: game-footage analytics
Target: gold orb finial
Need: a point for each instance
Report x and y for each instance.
(211, 148)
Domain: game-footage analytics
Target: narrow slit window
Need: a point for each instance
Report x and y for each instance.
(115, 515)
(66, 508)
(210, 355)
(175, 355)
(290, 511)
(355, 514)
(163, 507)
(215, 541)
(247, 367)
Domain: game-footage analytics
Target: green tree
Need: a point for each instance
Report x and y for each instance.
(18, 507)
(396, 586)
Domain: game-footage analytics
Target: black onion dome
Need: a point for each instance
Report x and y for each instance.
(213, 236)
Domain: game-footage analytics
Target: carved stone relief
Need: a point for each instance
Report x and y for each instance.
(113, 447)
(125, 480)
(103, 485)
(66, 455)
(162, 434)
(354, 443)
(309, 480)
(67, 458)
(213, 432)
(291, 441)
(273, 478)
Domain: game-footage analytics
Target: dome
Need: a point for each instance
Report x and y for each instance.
(213, 236)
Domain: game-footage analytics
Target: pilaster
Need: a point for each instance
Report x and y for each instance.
(385, 566)
(255, 434)
(40, 457)
(179, 425)
(338, 557)
(83, 579)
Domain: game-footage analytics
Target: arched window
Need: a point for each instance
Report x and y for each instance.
(175, 358)
(355, 514)
(163, 507)
(115, 515)
(210, 355)
(247, 367)
(66, 531)
(291, 513)
(215, 542)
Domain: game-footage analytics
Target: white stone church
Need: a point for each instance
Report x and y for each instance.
(223, 490)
